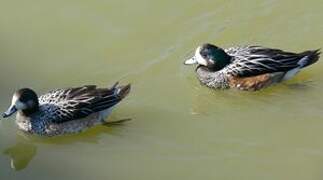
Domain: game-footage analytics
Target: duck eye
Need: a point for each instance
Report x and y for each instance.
(204, 54)
(30, 103)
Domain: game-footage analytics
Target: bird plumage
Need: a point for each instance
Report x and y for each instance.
(64, 111)
(75, 103)
(255, 60)
(248, 67)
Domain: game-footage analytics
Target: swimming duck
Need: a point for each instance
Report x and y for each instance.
(64, 111)
(247, 67)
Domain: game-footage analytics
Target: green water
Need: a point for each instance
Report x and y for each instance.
(180, 130)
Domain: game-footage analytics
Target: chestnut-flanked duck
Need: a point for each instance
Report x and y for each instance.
(64, 111)
(247, 67)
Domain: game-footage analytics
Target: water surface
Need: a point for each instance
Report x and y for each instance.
(180, 130)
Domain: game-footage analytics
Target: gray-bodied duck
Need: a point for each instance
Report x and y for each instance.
(247, 67)
(64, 111)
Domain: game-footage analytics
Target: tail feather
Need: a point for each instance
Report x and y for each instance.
(114, 85)
(309, 57)
(123, 91)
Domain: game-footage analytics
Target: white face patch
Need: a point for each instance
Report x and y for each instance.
(14, 100)
(18, 104)
(200, 60)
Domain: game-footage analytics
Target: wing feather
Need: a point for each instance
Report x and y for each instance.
(256, 60)
(74, 103)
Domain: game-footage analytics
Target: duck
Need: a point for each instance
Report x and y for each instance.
(64, 111)
(249, 67)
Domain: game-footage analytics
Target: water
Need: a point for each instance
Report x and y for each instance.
(180, 130)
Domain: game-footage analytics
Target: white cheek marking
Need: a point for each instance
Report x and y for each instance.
(199, 58)
(14, 100)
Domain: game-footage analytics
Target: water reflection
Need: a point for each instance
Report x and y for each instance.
(205, 100)
(20, 155)
(301, 85)
(27, 145)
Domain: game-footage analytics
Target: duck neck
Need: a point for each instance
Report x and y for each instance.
(213, 79)
(29, 111)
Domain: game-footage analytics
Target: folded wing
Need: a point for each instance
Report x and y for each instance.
(256, 60)
(75, 103)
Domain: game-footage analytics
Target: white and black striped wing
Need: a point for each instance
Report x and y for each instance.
(256, 60)
(74, 103)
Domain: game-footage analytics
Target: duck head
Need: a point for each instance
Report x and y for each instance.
(24, 100)
(210, 56)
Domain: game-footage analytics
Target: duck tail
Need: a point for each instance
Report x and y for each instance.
(122, 91)
(309, 57)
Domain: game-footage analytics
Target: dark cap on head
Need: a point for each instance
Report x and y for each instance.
(216, 56)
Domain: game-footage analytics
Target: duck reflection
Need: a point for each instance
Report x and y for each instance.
(206, 101)
(21, 154)
(26, 147)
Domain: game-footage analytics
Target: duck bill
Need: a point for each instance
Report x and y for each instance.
(190, 61)
(9, 112)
